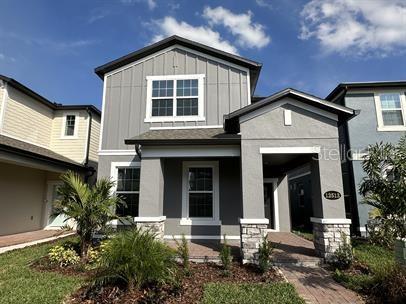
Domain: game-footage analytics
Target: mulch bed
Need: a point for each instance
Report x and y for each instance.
(43, 264)
(189, 290)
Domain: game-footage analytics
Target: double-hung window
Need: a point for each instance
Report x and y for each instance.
(175, 98)
(69, 125)
(391, 111)
(128, 187)
(200, 193)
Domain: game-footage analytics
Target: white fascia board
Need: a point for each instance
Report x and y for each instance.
(254, 221)
(330, 220)
(201, 237)
(199, 222)
(118, 152)
(289, 150)
(149, 219)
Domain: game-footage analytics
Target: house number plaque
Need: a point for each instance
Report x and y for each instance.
(332, 195)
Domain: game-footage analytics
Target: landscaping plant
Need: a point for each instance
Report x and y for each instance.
(62, 256)
(90, 207)
(225, 257)
(384, 186)
(135, 258)
(183, 253)
(343, 256)
(264, 255)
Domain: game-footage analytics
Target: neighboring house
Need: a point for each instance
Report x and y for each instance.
(39, 140)
(382, 118)
(194, 153)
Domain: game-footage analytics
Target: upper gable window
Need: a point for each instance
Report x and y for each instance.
(175, 98)
(69, 125)
(391, 111)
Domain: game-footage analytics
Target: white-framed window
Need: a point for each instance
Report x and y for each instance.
(127, 178)
(175, 98)
(200, 194)
(70, 125)
(391, 111)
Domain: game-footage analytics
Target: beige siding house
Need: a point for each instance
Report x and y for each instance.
(39, 140)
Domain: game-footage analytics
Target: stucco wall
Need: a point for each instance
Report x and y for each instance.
(22, 198)
(27, 119)
(225, 90)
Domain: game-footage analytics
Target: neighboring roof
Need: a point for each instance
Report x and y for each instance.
(34, 151)
(253, 66)
(231, 120)
(364, 85)
(53, 105)
(207, 136)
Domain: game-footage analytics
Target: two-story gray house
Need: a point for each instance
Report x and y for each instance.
(382, 118)
(192, 152)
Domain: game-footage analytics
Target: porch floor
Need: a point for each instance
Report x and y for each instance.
(293, 250)
(27, 237)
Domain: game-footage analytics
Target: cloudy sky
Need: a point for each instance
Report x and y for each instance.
(311, 45)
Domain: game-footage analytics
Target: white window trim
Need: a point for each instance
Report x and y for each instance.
(114, 172)
(274, 182)
(75, 131)
(379, 116)
(186, 220)
(174, 118)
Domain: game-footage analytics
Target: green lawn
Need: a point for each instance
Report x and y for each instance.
(228, 293)
(20, 284)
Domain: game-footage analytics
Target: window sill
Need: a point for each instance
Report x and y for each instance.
(174, 119)
(391, 128)
(199, 222)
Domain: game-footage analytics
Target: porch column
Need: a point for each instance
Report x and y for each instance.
(330, 224)
(150, 215)
(253, 225)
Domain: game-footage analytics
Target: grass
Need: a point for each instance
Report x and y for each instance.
(276, 293)
(20, 284)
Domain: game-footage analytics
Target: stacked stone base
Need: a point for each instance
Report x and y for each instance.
(328, 237)
(155, 226)
(251, 237)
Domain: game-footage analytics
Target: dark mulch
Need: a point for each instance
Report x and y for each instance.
(188, 290)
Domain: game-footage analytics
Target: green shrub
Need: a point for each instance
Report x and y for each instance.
(183, 253)
(59, 255)
(264, 255)
(135, 258)
(381, 232)
(390, 284)
(225, 257)
(343, 256)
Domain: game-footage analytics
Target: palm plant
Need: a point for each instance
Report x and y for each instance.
(90, 207)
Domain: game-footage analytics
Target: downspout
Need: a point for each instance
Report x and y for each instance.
(91, 170)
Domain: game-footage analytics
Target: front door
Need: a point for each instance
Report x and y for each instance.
(269, 204)
(52, 195)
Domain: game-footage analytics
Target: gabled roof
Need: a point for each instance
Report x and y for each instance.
(206, 136)
(33, 151)
(231, 121)
(344, 86)
(253, 66)
(53, 105)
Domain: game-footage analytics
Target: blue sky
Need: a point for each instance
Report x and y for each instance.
(311, 45)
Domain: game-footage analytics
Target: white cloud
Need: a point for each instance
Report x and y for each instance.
(151, 3)
(7, 58)
(249, 34)
(170, 26)
(263, 3)
(356, 27)
(2, 57)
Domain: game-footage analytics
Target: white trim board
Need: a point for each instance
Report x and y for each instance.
(187, 127)
(378, 109)
(202, 237)
(3, 106)
(76, 126)
(274, 182)
(330, 220)
(289, 150)
(102, 113)
(117, 152)
(254, 221)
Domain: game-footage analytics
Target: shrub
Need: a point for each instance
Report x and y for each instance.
(183, 253)
(135, 258)
(343, 256)
(381, 232)
(390, 284)
(225, 257)
(264, 255)
(62, 256)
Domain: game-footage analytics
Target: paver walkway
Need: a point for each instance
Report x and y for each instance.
(315, 285)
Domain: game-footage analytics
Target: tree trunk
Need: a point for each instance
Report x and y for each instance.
(85, 243)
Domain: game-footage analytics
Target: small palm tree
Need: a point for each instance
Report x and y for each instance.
(90, 207)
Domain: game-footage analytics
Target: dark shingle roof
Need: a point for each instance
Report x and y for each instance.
(185, 137)
(15, 145)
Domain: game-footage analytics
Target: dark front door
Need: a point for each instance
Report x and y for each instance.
(269, 204)
(301, 203)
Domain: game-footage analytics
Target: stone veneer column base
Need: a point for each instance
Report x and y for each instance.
(252, 234)
(155, 225)
(328, 235)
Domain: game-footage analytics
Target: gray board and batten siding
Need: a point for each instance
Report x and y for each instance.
(226, 88)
